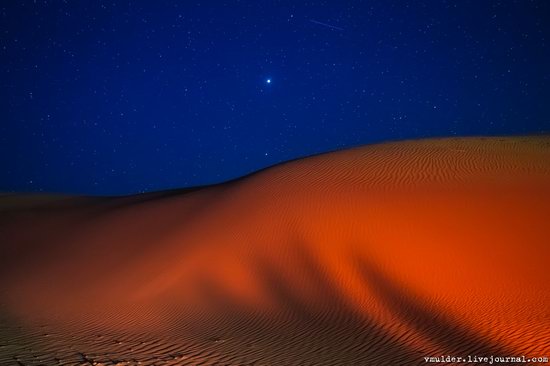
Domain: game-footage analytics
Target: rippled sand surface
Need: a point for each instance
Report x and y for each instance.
(376, 255)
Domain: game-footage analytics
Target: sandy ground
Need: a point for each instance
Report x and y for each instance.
(381, 254)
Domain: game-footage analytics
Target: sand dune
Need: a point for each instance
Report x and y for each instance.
(381, 254)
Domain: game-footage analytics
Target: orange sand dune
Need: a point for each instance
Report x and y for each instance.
(382, 254)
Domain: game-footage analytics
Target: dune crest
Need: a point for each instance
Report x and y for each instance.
(381, 254)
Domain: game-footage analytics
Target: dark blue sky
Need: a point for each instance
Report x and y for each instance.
(122, 97)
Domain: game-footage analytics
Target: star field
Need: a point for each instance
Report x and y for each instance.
(123, 97)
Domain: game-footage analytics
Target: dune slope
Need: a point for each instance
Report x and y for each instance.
(382, 254)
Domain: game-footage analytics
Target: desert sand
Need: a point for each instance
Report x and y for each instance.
(381, 254)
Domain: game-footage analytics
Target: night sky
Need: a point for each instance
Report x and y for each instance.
(123, 97)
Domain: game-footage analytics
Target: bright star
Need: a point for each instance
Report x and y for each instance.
(268, 81)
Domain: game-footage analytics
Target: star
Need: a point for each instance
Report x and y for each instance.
(268, 81)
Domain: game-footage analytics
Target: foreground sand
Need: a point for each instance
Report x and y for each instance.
(376, 255)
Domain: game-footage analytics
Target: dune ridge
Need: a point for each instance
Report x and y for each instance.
(381, 254)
